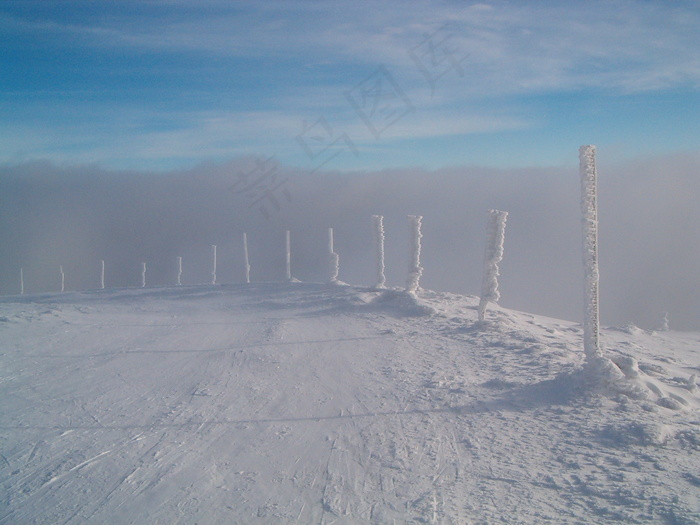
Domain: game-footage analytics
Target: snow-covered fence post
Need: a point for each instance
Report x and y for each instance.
(21, 281)
(589, 211)
(599, 370)
(333, 259)
(102, 276)
(414, 269)
(246, 261)
(143, 275)
(213, 267)
(495, 236)
(179, 271)
(288, 256)
(664, 323)
(63, 278)
(378, 223)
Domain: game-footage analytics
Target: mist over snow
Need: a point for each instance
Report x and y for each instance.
(76, 216)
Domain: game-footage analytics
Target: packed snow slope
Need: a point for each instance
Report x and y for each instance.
(332, 404)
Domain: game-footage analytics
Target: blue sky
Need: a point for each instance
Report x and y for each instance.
(160, 85)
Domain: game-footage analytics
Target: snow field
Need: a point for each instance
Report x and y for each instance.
(314, 403)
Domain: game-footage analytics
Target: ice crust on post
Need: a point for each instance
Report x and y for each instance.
(589, 222)
(414, 270)
(288, 256)
(600, 372)
(333, 258)
(102, 275)
(213, 267)
(378, 229)
(495, 237)
(179, 271)
(143, 275)
(246, 261)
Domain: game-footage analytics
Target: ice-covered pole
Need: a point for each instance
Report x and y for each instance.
(589, 211)
(246, 261)
(414, 268)
(495, 237)
(63, 278)
(288, 255)
(143, 275)
(102, 275)
(179, 271)
(213, 264)
(378, 223)
(21, 281)
(333, 258)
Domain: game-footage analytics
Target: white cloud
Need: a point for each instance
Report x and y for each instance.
(505, 49)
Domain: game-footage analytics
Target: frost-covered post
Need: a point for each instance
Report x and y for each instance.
(589, 211)
(495, 237)
(143, 275)
(414, 269)
(213, 267)
(63, 278)
(378, 223)
(102, 276)
(21, 281)
(179, 271)
(288, 256)
(333, 259)
(246, 261)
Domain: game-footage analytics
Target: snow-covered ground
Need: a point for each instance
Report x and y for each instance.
(312, 403)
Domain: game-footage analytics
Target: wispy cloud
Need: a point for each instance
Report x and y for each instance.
(177, 80)
(509, 46)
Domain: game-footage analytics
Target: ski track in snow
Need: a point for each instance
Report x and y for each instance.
(330, 404)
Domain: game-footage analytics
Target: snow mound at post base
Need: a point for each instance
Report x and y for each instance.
(401, 303)
(309, 403)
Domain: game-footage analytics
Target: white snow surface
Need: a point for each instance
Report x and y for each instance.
(278, 403)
